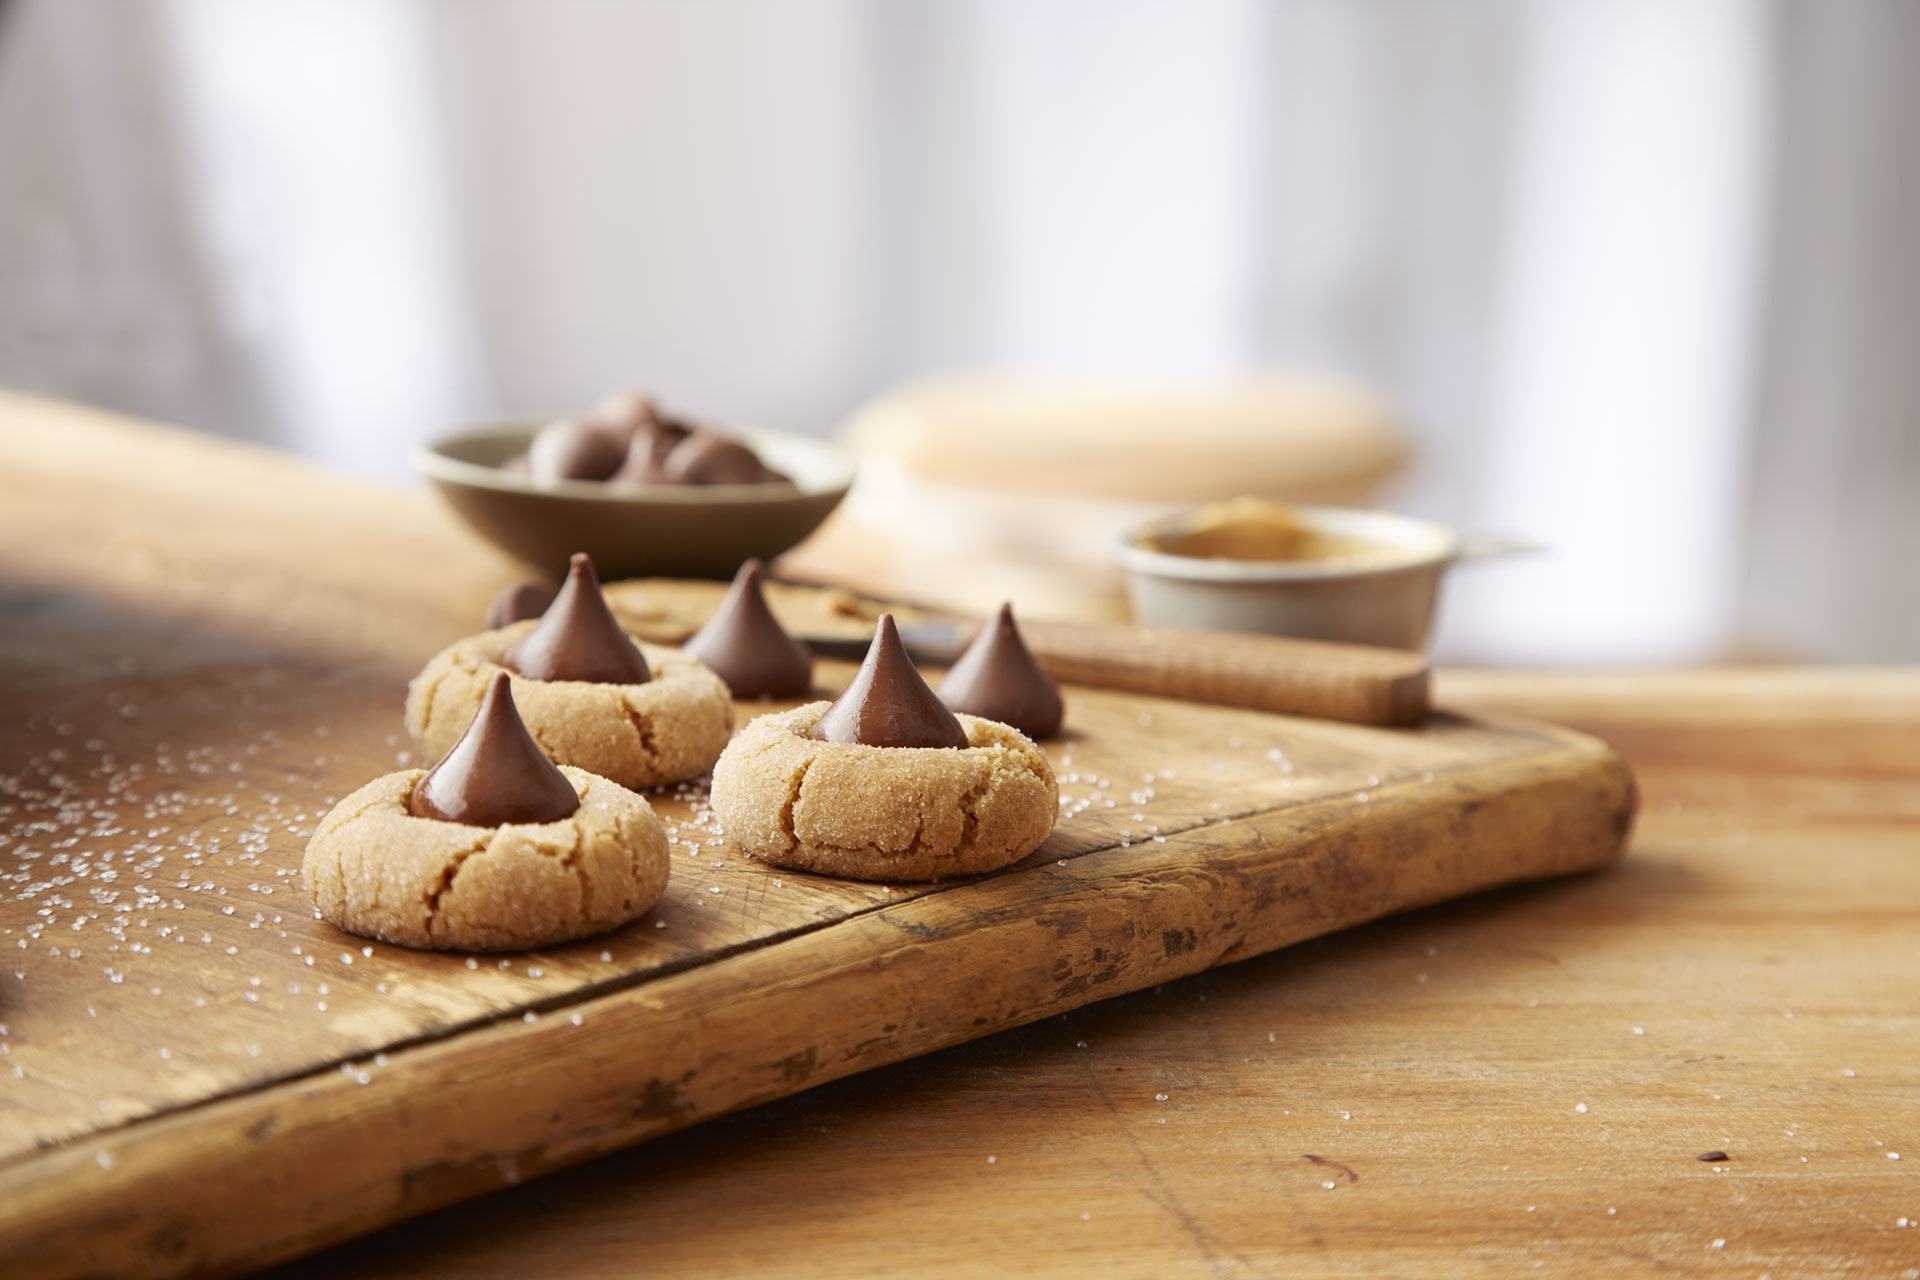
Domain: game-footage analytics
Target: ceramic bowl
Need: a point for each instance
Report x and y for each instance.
(1385, 598)
(675, 531)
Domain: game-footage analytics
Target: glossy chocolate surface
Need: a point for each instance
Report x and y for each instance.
(888, 704)
(748, 648)
(496, 773)
(517, 603)
(997, 679)
(577, 638)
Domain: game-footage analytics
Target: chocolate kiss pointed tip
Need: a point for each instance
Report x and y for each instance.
(887, 704)
(998, 679)
(746, 646)
(577, 637)
(496, 773)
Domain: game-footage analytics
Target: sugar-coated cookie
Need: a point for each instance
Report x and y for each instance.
(883, 813)
(670, 728)
(376, 870)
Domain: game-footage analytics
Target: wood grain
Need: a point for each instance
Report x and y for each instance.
(1443, 1058)
(177, 1021)
(1440, 1057)
(486, 1109)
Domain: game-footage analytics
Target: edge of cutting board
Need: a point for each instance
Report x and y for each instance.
(307, 1162)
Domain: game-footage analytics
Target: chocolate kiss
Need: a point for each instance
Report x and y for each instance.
(630, 409)
(997, 679)
(888, 704)
(496, 773)
(746, 646)
(647, 454)
(577, 638)
(571, 450)
(517, 603)
(707, 457)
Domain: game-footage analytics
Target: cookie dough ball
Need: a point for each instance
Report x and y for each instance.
(375, 870)
(667, 729)
(884, 813)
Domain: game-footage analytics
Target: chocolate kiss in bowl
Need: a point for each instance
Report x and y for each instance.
(747, 647)
(888, 704)
(709, 457)
(496, 773)
(997, 679)
(573, 450)
(577, 638)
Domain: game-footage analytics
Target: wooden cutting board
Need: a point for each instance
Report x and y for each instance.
(197, 1076)
(199, 1030)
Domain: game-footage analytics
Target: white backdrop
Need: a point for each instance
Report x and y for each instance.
(1640, 273)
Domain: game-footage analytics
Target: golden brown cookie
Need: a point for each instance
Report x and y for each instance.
(374, 869)
(639, 735)
(883, 813)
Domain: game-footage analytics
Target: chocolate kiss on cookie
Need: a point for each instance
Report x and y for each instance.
(577, 638)
(517, 603)
(747, 647)
(888, 704)
(997, 679)
(496, 773)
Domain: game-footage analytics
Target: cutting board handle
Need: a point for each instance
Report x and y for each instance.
(1351, 682)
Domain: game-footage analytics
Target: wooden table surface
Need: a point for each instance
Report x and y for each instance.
(1517, 1083)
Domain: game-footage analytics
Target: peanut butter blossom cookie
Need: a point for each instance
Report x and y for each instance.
(885, 783)
(495, 848)
(640, 715)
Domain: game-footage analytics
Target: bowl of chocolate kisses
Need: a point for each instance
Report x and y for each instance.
(645, 493)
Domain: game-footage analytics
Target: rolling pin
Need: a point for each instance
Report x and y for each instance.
(1356, 683)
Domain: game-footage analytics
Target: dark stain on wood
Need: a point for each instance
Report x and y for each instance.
(1325, 1163)
(797, 1068)
(662, 1100)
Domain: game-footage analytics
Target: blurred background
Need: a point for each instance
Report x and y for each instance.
(1639, 279)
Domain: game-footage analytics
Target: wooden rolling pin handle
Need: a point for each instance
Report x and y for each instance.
(1348, 682)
